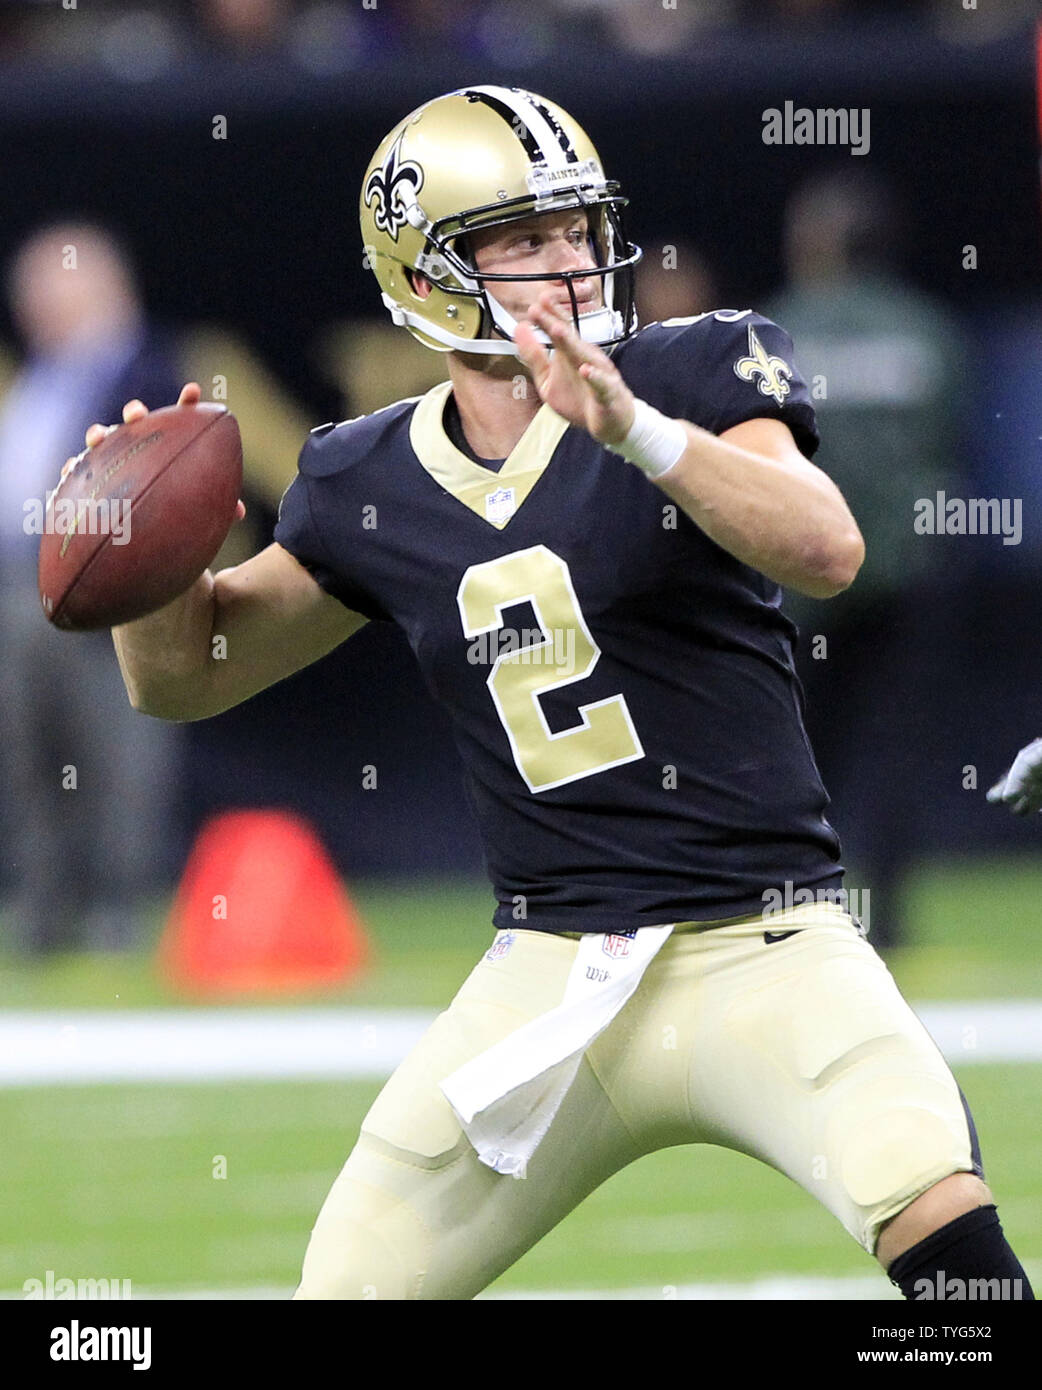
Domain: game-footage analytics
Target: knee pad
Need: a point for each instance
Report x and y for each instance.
(367, 1243)
(897, 1148)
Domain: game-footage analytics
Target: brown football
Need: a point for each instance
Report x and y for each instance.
(140, 516)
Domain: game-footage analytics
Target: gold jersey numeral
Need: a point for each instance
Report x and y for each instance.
(520, 674)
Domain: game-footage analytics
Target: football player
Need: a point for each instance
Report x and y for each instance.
(583, 534)
(1020, 788)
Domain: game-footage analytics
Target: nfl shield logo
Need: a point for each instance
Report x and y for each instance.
(619, 944)
(500, 505)
(500, 946)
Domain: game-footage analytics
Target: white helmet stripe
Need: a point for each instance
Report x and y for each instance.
(559, 131)
(531, 118)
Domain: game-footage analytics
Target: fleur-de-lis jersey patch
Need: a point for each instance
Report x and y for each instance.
(773, 371)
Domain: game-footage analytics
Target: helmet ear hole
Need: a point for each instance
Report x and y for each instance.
(419, 284)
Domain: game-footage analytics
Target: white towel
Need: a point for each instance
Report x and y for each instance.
(507, 1096)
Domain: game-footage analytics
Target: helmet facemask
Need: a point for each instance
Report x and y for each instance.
(449, 266)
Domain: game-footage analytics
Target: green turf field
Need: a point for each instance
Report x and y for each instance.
(118, 1181)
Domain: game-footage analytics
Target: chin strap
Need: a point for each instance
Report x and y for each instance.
(600, 327)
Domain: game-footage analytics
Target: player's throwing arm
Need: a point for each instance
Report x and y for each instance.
(750, 489)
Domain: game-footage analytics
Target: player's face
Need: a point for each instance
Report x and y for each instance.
(542, 245)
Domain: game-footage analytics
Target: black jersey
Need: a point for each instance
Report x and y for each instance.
(622, 689)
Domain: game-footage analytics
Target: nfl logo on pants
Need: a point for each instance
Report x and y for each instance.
(618, 944)
(500, 946)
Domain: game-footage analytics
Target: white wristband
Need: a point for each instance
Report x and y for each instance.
(654, 442)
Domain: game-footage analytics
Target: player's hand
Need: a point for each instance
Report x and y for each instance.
(579, 380)
(1021, 787)
(191, 394)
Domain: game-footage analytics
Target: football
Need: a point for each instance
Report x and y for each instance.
(139, 517)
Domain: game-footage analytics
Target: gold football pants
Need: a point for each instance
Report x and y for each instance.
(800, 1052)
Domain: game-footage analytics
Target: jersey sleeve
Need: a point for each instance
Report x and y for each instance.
(727, 367)
(298, 531)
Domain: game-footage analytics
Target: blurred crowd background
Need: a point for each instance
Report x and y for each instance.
(341, 34)
(203, 157)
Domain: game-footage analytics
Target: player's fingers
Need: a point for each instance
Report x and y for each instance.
(134, 410)
(530, 350)
(191, 393)
(240, 510)
(574, 349)
(96, 434)
(995, 792)
(560, 334)
(564, 337)
(603, 384)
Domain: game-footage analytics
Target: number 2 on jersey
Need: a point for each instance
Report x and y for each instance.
(606, 736)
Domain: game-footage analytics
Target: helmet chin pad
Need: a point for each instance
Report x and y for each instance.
(599, 326)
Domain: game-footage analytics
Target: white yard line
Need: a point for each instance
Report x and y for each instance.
(79, 1047)
(84, 1046)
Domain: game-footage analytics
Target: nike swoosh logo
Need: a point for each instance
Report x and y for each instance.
(770, 937)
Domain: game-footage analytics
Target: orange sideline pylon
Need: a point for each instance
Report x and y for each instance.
(260, 908)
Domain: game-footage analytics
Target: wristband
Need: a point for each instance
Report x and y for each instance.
(654, 442)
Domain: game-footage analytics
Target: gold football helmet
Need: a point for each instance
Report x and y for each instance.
(479, 158)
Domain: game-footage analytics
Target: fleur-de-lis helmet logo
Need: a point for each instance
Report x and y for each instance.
(384, 187)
